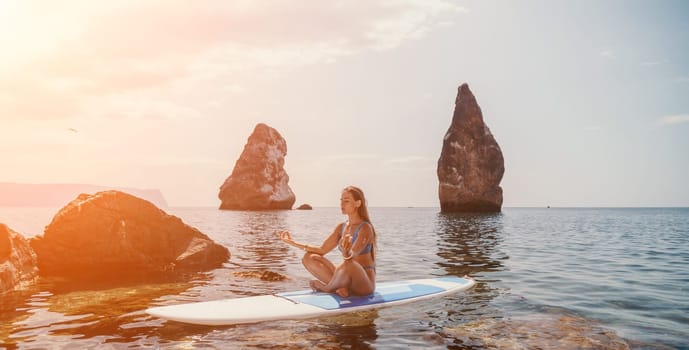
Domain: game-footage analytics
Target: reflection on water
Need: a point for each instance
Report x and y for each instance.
(468, 243)
(261, 250)
(83, 312)
(354, 331)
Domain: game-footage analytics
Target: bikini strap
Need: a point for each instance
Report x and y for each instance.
(356, 231)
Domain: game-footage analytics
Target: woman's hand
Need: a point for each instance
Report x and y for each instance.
(346, 244)
(285, 236)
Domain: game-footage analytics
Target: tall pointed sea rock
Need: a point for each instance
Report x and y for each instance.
(259, 180)
(471, 165)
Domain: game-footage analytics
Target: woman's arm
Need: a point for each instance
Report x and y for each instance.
(286, 237)
(329, 244)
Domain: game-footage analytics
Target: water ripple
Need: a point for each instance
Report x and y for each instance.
(546, 278)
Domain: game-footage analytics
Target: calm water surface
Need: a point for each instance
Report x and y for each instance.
(547, 278)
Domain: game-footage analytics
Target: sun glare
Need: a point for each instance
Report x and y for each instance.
(26, 32)
(10, 21)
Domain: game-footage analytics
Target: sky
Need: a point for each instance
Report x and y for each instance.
(588, 100)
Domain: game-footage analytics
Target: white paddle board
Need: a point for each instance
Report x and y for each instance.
(308, 304)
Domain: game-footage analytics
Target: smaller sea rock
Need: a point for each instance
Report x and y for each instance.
(18, 265)
(305, 207)
(262, 275)
(114, 233)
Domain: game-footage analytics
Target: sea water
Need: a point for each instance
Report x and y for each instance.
(546, 278)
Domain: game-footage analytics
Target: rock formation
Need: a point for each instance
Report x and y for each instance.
(554, 330)
(116, 233)
(18, 265)
(305, 207)
(471, 164)
(262, 275)
(258, 180)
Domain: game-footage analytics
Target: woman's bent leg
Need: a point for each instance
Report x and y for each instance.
(350, 277)
(319, 267)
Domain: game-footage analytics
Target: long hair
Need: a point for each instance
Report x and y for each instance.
(358, 195)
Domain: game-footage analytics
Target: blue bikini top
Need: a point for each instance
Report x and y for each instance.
(366, 249)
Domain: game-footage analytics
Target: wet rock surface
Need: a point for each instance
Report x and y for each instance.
(18, 265)
(262, 275)
(538, 331)
(115, 233)
(259, 180)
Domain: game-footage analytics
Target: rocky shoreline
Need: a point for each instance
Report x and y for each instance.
(108, 233)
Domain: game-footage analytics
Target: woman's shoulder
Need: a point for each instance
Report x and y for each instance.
(339, 227)
(366, 226)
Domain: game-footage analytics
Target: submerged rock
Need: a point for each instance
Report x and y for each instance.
(305, 207)
(18, 265)
(539, 331)
(259, 180)
(264, 275)
(471, 165)
(116, 233)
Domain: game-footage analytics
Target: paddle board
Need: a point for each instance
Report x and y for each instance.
(308, 304)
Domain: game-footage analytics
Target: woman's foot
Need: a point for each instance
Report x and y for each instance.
(316, 285)
(343, 292)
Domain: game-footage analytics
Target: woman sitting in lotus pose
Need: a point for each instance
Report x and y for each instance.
(356, 239)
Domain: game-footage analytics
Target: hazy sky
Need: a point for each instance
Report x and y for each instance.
(589, 100)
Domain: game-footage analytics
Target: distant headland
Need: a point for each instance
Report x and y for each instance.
(56, 195)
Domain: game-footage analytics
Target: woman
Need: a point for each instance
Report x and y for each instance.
(356, 239)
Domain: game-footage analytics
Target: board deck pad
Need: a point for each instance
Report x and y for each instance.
(307, 304)
(383, 294)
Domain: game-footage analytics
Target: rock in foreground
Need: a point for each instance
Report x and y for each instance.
(259, 180)
(18, 265)
(114, 232)
(471, 165)
(538, 331)
(262, 275)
